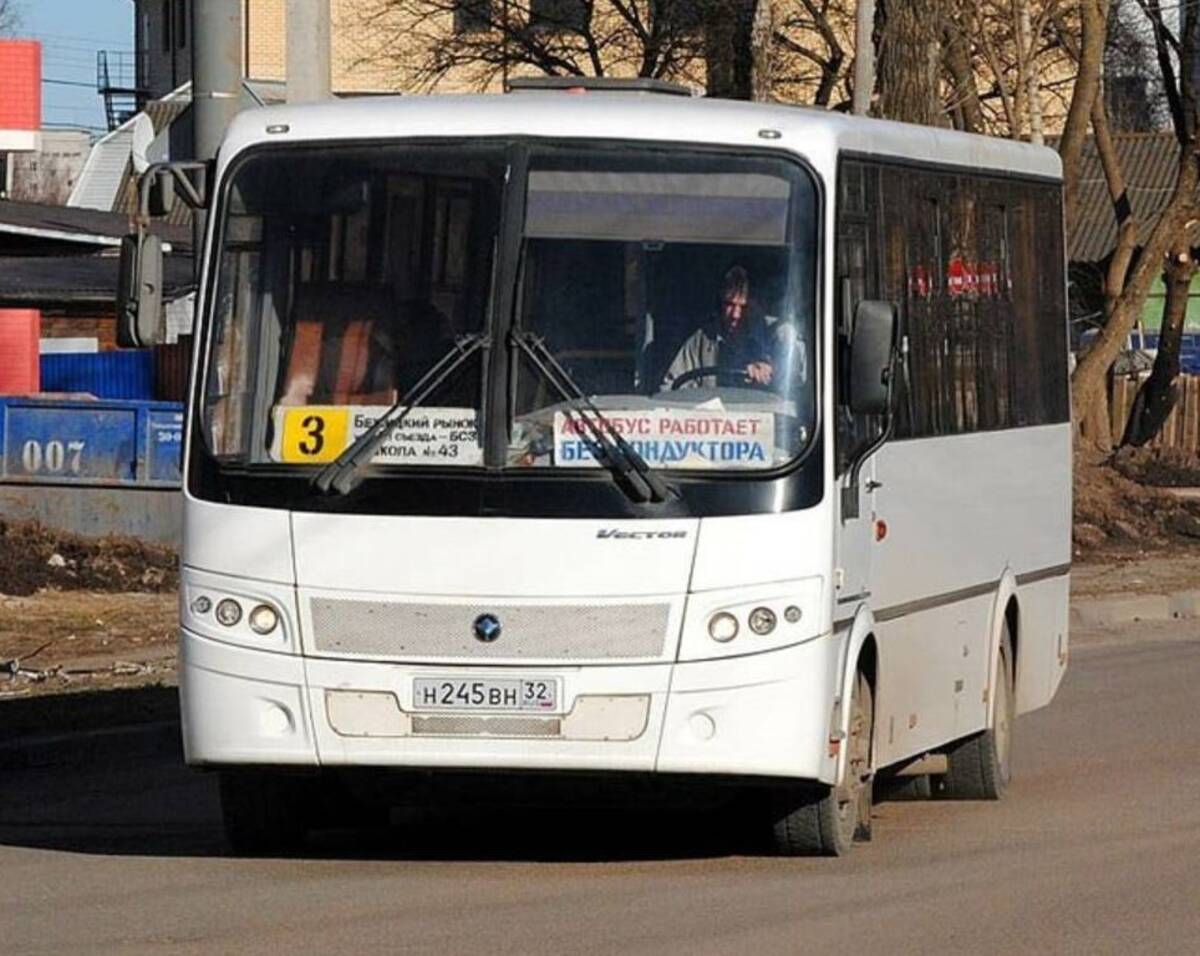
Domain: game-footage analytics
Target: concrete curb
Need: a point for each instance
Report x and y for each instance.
(1128, 609)
(157, 738)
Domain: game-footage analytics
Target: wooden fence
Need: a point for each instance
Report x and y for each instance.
(1182, 428)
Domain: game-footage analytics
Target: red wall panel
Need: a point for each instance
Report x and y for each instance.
(20, 85)
(20, 331)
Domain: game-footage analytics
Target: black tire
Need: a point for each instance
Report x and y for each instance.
(919, 787)
(980, 766)
(826, 821)
(264, 812)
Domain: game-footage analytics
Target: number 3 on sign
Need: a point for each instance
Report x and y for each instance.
(314, 434)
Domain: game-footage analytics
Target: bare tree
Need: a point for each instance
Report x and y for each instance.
(727, 44)
(762, 59)
(1133, 90)
(960, 33)
(1089, 56)
(1005, 63)
(910, 58)
(1132, 270)
(10, 16)
(1158, 394)
(811, 64)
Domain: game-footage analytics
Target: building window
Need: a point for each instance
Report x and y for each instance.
(474, 16)
(181, 24)
(677, 17)
(559, 15)
(166, 26)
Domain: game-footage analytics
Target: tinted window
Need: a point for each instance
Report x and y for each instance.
(677, 290)
(976, 265)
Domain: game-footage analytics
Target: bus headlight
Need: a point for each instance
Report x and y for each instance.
(229, 612)
(722, 627)
(263, 619)
(762, 621)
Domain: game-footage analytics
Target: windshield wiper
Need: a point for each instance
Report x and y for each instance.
(629, 468)
(341, 476)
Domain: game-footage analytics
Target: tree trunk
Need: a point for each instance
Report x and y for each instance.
(864, 57)
(762, 29)
(1096, 426)
(729, 48)
(910, 61)
(958, 62)
(1029, 71)
(1158, 393)
(1093, 14)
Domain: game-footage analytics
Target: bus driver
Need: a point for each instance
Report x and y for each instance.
(737, 340)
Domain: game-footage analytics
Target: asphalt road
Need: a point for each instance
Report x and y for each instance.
(1096, 849)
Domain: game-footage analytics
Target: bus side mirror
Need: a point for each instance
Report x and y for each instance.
(162, 195)
(872, 357)
(140, 320)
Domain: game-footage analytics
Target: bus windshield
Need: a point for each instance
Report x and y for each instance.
(343, 275)
(674, 288)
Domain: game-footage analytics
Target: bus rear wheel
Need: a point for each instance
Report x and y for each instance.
(264, 812)
(980, 767)
(825, 822)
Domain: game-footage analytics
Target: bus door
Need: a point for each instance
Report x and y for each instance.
(855, 532)
(857, 279)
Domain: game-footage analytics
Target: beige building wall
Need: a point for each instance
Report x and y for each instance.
(356, 61)
(266, 39)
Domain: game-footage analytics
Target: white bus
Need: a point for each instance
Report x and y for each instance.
(622, 437)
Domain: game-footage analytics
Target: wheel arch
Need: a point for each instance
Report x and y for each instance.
(1006, 610)
(862, 653)
(1012, 616)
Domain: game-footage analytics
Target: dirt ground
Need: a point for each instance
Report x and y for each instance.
(53, 642)
(1134, 504)
(33, 557)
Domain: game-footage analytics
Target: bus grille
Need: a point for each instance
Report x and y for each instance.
(487, 726)
(529, 632)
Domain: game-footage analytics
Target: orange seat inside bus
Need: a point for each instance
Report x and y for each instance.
(338, 336)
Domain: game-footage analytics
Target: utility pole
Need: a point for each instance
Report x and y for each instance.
(864, 57)
(308, 69)
(216, 71)
(216, 83)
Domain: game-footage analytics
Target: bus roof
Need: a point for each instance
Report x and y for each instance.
(817, 134)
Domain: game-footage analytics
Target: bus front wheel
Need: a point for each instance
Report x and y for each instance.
(980, 767)
(264, 812)
(825, 822)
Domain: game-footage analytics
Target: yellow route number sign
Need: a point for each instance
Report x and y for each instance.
(314, 433)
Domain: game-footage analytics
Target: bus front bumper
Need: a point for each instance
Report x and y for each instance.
(765, 714)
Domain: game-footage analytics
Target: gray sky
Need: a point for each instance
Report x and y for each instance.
(71, 32)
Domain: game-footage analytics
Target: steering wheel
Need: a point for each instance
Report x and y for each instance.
(705, 370)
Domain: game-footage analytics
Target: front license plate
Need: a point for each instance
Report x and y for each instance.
(496, 694)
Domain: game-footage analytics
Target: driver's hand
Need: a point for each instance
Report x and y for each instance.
(760, 372)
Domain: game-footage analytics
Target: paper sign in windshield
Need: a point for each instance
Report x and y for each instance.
(314, 434)
(674, 438)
